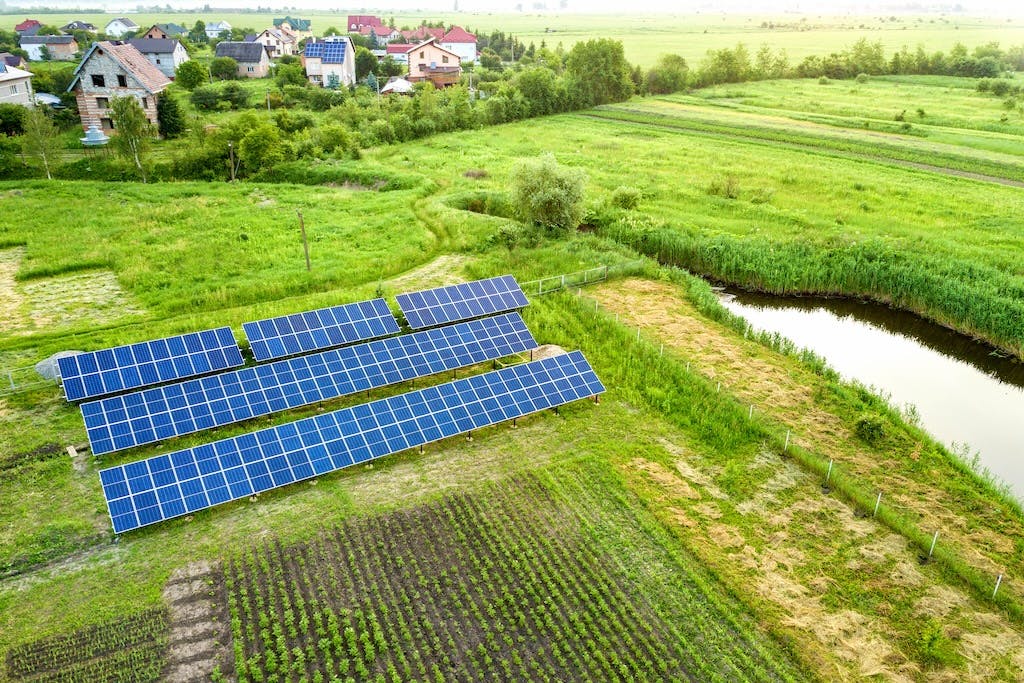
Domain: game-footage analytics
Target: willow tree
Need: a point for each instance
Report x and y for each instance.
(133, 131)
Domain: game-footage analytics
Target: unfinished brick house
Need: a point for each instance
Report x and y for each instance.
(113, 69)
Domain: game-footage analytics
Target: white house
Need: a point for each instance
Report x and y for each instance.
(166, 54)
(216, 28)
(331, 62)
(461, 42)
(58, 48)
(15, 86)
(278, 42)
(116, 28)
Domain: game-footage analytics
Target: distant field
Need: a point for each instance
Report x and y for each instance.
(645, 37)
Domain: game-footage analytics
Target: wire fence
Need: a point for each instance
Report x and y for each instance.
(557, 283)
(24, 378)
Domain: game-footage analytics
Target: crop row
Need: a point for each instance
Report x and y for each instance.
(101, 651)
(499, 585)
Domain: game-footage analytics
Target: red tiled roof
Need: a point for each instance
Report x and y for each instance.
(423, 32)
(399, 48)
(380, 31)
(28, 23)
(458, 35)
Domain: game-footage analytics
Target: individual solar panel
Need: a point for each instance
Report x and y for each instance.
(148, 416)
(449, 304)
(182, 482)
(290, 335)
(122, 368)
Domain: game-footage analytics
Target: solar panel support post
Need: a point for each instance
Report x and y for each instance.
(305, 243)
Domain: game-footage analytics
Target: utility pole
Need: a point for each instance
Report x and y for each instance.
(305, 244)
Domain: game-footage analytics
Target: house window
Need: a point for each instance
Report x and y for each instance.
(14, 90)
(157, 60)
(122, 81)
(107, 124)
(102, 102)
(421, 54)
(250, 69)
(145, 103)
(444, 59)
(98, 81)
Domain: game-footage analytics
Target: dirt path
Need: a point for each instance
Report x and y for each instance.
(200, 639)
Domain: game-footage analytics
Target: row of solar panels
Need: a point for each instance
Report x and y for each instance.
(192, 479)
(125, 368)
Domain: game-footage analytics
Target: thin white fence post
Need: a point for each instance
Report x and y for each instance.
(935, 540)
(999, 580)
(785, 447)
(878, 501)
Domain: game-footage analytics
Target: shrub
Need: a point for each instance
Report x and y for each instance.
(862, 78)
(224, 68)
(728, 188)
(235, 95)
(12, 119)
(547, 194)
(870, 428)
(823, 80)
(1000, 87)
(626, 197)
(205, 97)
(191, 74)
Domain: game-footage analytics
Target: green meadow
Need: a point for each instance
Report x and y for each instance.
(681, 485)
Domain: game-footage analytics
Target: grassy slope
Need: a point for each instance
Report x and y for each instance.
(645, 37)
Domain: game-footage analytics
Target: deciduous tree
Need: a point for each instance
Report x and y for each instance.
(134, 132)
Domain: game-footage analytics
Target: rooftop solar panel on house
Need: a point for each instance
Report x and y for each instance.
(123, 368)
(160, 413)
(290, 335)
(445, 305)
(167, 486)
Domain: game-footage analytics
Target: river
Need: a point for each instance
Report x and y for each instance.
(963, 391)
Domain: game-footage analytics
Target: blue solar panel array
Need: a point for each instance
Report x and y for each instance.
(332, 52)
(109, 371)
(460, 302)
(290, 335)
(148, 416)
(166, 486)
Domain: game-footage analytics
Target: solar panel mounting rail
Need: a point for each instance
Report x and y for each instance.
(123, 368)
(148, 416)
(185, 481)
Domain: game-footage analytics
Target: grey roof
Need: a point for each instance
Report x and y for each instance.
(124, 20)
(30, 31)
(148, 46)
(10, 60)
(241, 52)
(78, 26)
(172, 29)
(47, 40)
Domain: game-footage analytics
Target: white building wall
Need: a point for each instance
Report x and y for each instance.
(465, 51)
(16, 91)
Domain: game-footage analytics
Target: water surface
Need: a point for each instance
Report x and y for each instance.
(963, 390)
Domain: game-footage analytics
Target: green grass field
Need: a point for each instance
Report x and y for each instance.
(667, 489)
(646, 37)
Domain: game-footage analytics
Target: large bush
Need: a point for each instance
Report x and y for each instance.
(191, 74)
(547, 194)
(224, 68)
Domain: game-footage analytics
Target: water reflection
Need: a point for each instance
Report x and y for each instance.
(963, 391)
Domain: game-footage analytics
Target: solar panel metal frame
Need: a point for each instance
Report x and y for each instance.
(166, 486)
(323, 328)
(123, 368)
(152, 415)
(443, 305)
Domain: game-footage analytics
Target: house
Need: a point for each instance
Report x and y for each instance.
(216, 29)
(330, 63)
(116, 28)
(428, 61)
(421, 33)
(78, 26)
(398, 86)
(252, 58)
(165, 31)
(461, 42)
(398, 52)
(357, 21)
(15, 86)
(58, 48)
(300, 28)
(17, 61)
(29, 27)
(112, 69)
(166, 54)
(278, 42)
(380, 35)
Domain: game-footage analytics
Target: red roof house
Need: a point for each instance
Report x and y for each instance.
(461, 42)
(26, 25)
(358, 21)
